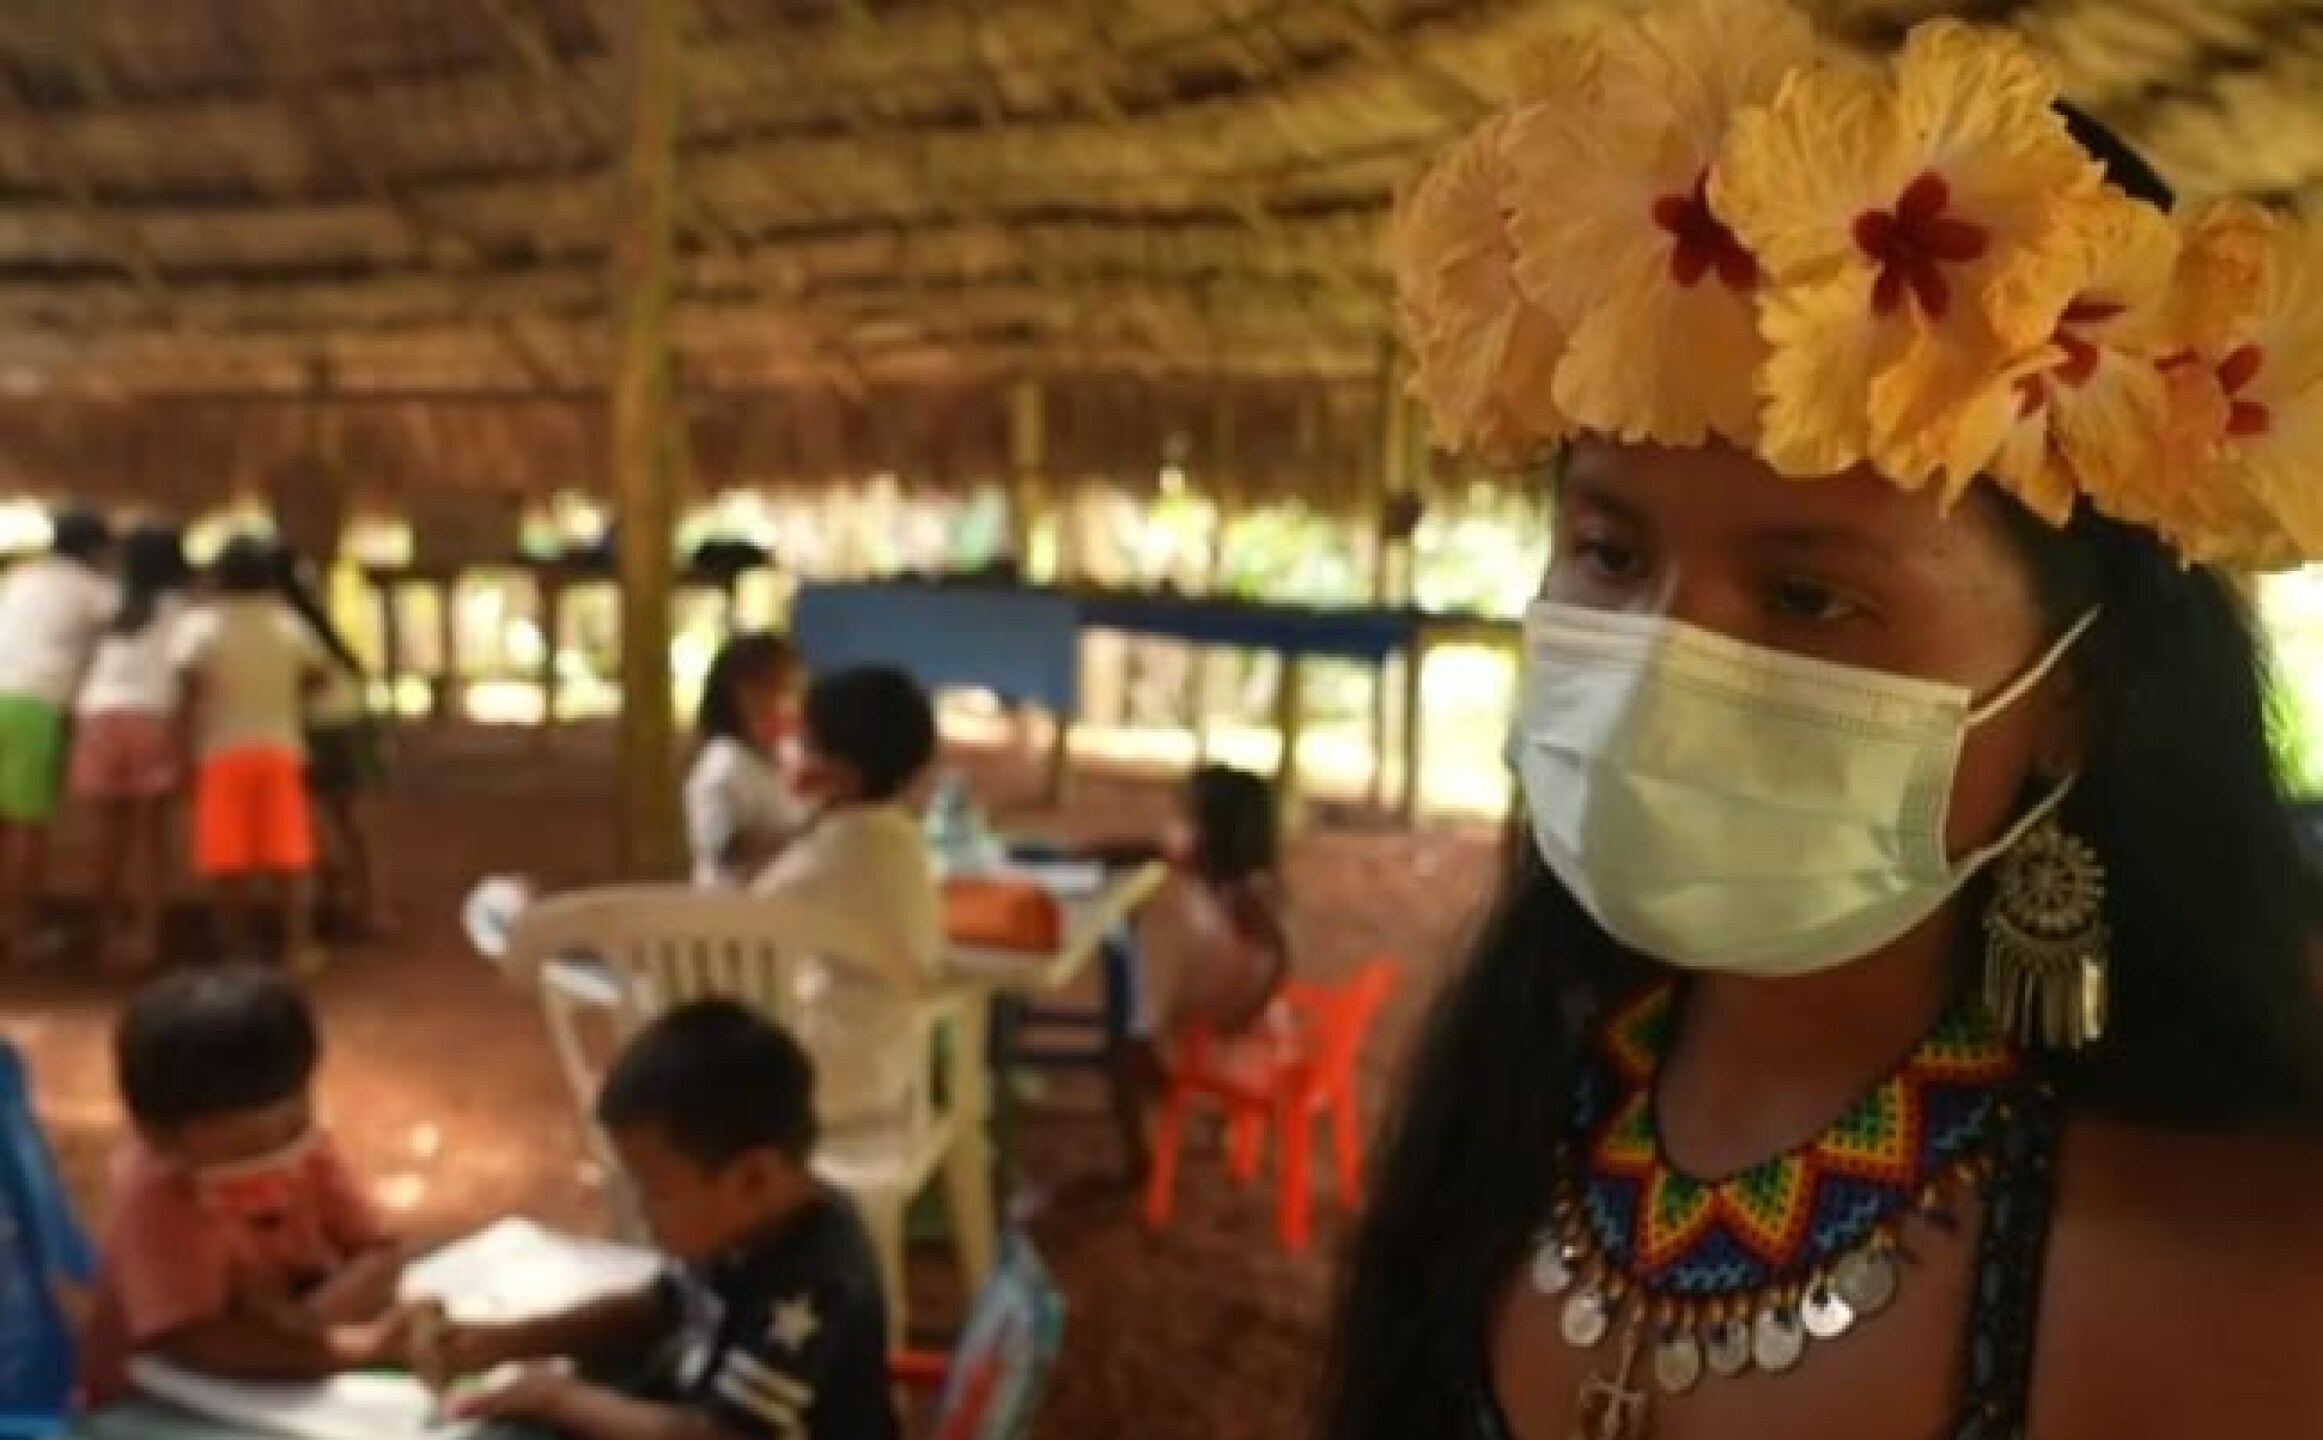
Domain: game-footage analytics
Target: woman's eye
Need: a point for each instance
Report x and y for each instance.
(1807, 600)
(1608, 559)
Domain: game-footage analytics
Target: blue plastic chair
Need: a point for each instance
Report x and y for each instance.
(996, 1376)
(40, 1244)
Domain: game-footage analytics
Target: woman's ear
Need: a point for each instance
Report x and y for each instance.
(2062, 744)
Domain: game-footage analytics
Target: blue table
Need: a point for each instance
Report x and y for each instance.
(1023, 643)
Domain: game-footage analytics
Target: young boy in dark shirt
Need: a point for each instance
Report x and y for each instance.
(770, 1324)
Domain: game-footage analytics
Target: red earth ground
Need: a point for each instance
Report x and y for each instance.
(440, 1082)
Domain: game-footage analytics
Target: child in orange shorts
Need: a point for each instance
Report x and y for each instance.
(247, 665)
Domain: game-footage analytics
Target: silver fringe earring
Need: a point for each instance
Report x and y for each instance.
(2045, 940)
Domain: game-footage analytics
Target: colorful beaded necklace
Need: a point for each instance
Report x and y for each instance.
(1723, 1276)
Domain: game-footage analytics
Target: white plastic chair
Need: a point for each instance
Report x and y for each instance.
(649, 948)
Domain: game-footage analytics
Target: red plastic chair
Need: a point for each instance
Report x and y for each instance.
(1318, 1083)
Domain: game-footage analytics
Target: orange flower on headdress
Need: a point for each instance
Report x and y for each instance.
(2091, 419)
(1483, 356)
(1615, 233)
(1917, 229)
(2248, 387)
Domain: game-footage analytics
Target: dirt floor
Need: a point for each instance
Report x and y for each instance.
(442, 1087)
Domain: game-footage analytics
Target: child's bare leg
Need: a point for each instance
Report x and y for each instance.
(113, 822)
(234, 908)
(149, 878)
(295, 901)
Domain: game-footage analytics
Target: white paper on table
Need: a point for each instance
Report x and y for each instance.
(347, 1407)
(516, 1270)
(512, 1270)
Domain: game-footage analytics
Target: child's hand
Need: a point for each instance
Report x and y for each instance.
(538, 1392)
(364, 1289)
(381, 1344)
(462, 1350)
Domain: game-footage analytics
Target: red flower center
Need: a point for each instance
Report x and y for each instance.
(1700, 240)
(1914, 242)
(2236, 371)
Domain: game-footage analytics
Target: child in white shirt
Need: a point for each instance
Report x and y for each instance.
(126, 761)
(740, 811)
(52, 610)
(868, 737)
(247, 665)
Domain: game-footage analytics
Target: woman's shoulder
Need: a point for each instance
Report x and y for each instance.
(2186, 1276)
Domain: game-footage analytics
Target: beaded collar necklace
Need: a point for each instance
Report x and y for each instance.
(1721, 1277)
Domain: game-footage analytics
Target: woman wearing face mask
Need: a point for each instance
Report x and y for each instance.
(1900, 1024)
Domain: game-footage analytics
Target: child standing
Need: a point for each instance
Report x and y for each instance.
(345, 757)
(867, 738)
(771, 1323)
(126, 764)
(739, 811)
(52, 609)
(247, 666)
(237, 1242)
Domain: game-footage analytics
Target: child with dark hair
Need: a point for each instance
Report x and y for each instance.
(1212, 953)
(247, 665)
(52, 610)
(739, 810)
(867, 738)
(126, 763)
(238, 1244)
(345, 756)
(771, 1324)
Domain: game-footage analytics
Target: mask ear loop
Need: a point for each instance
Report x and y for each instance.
(2016, 690)
(2038, 671)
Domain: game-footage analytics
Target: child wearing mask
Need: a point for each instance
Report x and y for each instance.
(237, 1243)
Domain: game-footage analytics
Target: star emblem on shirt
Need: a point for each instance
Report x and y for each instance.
(795, 1323)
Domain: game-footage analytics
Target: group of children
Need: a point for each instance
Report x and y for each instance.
(239, 1245)
(127, 678)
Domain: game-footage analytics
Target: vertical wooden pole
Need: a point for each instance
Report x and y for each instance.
(1220, 482)
(1027, 479)
(1387, 479)
(643, 460)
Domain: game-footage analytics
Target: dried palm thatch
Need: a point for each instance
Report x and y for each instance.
(1167, 209)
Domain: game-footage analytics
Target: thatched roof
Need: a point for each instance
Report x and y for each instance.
(891, 208)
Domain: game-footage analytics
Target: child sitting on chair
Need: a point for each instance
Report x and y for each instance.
(238, 1244)
(740, 811)
(1212, 954)
(867, 739)
(771, 1323)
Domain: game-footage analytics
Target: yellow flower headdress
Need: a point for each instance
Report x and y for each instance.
(1701, 222)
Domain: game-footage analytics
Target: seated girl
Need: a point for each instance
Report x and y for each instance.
(740, 811)
(1211, 955)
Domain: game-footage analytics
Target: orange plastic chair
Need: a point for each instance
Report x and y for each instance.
(1316, 1084)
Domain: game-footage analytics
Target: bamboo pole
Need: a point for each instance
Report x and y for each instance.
(643, 459)
(1387, 479)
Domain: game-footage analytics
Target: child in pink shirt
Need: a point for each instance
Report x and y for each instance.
(237, 1243)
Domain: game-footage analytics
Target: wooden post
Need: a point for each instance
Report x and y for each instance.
(1387, 480)
(1027, 479)
(1220, 483)
(549, 585)
(448, 697)
(643, 480)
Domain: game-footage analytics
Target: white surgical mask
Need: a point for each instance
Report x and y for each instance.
(1720, 806)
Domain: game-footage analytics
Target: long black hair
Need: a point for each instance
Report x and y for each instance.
(1232, 815)
(153, 567)
(295, 581)
(2213, 910)
(754, 657)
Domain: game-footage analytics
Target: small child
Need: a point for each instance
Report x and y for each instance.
(739, 811)
(126, 764)
(1212, 953)
(247, 666)
(345, 758)
(237, 1243)
(52, 610)
(867, 740)
(771, 1325)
